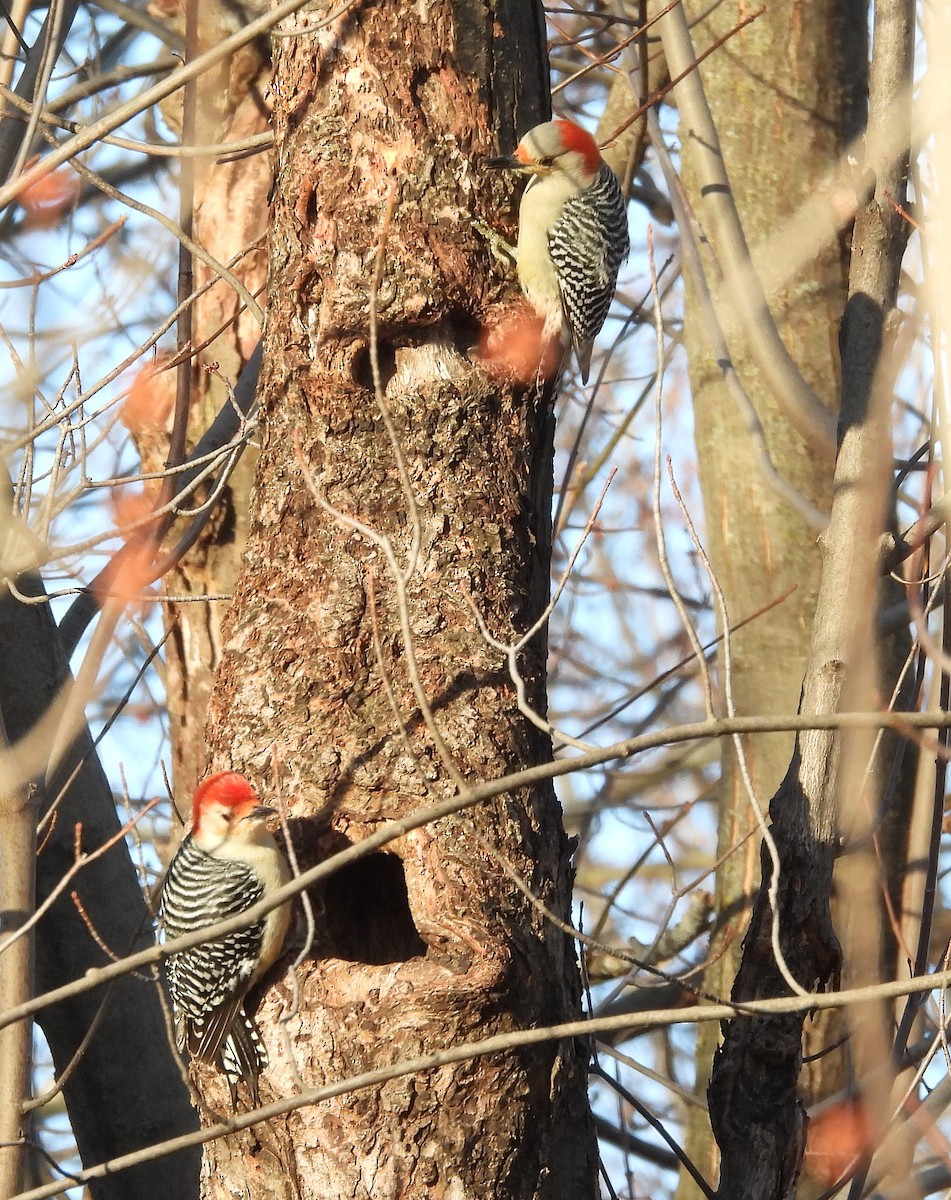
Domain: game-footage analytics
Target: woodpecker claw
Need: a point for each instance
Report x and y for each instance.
(501, 250)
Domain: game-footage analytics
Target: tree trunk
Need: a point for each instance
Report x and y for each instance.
(783, 96)
(128, 1054)
(229, 200)
(381, 121)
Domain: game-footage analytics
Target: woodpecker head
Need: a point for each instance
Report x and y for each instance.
(556, 146)
(226, 810)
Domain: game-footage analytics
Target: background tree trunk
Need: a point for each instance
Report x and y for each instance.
(111, 1042)
(786, 94)
(229, 200)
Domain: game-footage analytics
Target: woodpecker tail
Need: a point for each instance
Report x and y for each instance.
(229, 1039)
(583, 354)
(243, 1055)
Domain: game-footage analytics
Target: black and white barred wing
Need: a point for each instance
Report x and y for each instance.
(207, 983)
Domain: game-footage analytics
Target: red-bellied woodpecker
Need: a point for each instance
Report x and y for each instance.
(227, 862)
(572, 232)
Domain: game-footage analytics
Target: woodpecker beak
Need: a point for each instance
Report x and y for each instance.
(261, 812)
(512, 162)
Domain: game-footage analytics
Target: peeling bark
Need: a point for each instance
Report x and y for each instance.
(431, 943)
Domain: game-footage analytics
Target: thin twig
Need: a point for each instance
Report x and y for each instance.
(741, 284)
(393, 830)
(131, 108)
(660, 540)
(405, 481)
(499, 1044)
(399, 582)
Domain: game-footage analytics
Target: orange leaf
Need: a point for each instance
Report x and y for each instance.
(514, 346)
(836, 1139)
(128, 507)
(45, 200)
(149, 402)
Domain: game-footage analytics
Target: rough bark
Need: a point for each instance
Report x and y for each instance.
(432, 942)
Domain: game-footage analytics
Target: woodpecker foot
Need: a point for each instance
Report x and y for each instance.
(501, 250)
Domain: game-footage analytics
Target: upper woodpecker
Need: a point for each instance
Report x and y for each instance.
(225, 864)
(572, 232)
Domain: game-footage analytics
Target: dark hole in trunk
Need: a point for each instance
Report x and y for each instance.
(366, 916)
